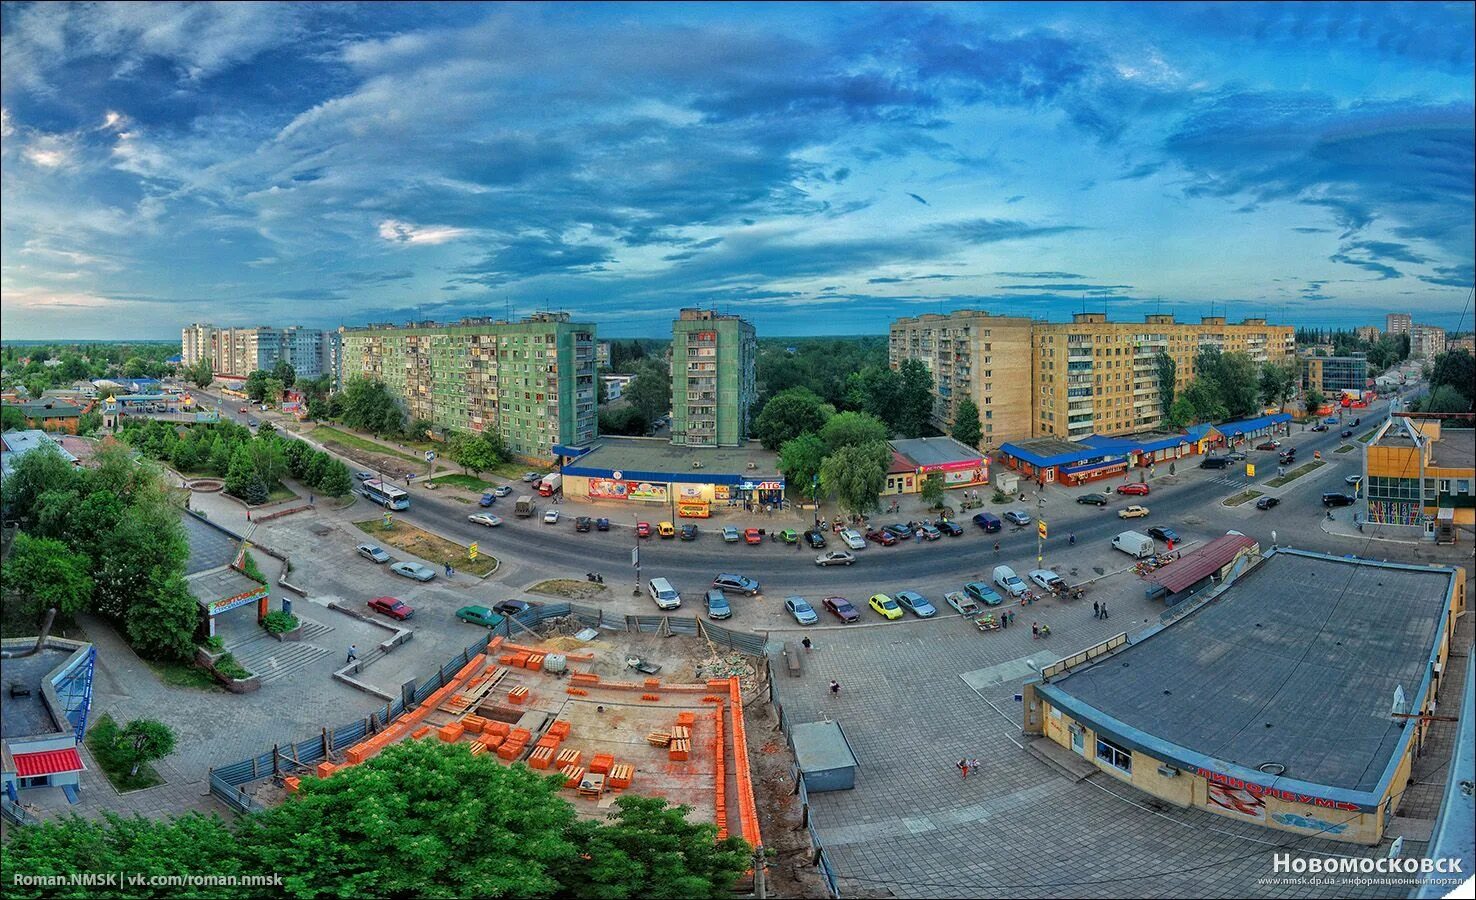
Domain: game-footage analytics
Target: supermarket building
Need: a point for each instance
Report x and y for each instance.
(1262, 701)
(688, 481)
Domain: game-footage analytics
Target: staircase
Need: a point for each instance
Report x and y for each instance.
(271, 659)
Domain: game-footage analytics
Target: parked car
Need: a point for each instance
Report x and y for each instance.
(789, 536)
(949, 527)
(1268, 445)
(502, 490)
(853, 538)
(665, 530)
(988, 521)
(1345, 433)
(917, 603)
(1098, 499)
(842, 609)
(717, 605)
(753, 536)
(395, 609)
(363, 476)
(963, 604)
(885, 606)
(373, 553)
(885, 538)
(740, 583)
(1320, 426)
(488, 498)
(689, 532)
(602, 524)
(1017, 517)
(1164, 533)
(929, 533)
(551, 517)
(479, 615)
(1136, 488)
(513, 607)
(815, 538)
(1267, 502)
(643, 529)
(413, 570)
(529, 477)
(1132, 512)
(899, 531)
(1209, 462)
(1005, 577)
(665, 596)
(801, 609)
(1332, 498)
(983, 593)
(731, 534)
(583, 523)
(835, 558)
(486, 519)
(1046, 579)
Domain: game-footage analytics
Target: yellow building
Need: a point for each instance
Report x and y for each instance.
(1308, 723)
(1418, 474)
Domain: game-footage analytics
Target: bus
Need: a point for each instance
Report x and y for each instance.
(386, 495)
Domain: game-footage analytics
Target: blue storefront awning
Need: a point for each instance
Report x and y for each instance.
(1250, 426)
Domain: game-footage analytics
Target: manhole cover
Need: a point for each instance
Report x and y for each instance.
(320, 529)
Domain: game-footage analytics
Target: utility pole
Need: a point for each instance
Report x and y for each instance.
(760, 889)
(635, 559)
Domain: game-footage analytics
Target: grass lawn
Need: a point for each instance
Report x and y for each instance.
(470, 482)
(429, 547)
(1296, 473)
(99, 740)
(184, 674)
(1242, 497)
(349, 439)
(1346, 448)
(1367, 436)
(513, 471)
(281, 492)
(568, 588)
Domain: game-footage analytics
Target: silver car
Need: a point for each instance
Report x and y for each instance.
(835, 558)
(373, 553)
(414, 570)
(486, 519)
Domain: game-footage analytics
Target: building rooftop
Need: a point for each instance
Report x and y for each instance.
(210, 547)
(29, 716)
(15, 444)
(660, 455)
(219, 584)
(1295, 663)
(50, 408)
(935, 451)
(820, 746)
(1456, 449)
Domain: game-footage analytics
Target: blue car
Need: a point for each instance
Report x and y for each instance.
(915, 602)
(983, 593)
(801, 609)
(487, 499)
(1331, 420)
(988, 521)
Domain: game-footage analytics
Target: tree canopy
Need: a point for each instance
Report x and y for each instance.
(966, 427)
(790, 414)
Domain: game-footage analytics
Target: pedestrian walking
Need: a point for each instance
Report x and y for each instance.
(248, 515)
(834, 687)
(1071, 539)
(1104, 609)
(807, 644)
(996, 548)
(1004, 621)
(353, 653)
(974, 763)
(1096, 610)
(311, 498)
(1035, 631)
(963, 767)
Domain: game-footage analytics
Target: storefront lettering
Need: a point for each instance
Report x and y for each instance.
(1278, 793)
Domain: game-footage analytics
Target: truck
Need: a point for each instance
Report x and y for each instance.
(550, 485)
(1135, 544)
(525, 507)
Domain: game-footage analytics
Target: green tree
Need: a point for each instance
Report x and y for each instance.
(220, 457)
(43, 469)
(1314, 399)
(856, 476)
(877, 390)
(284, 372)
(256, 385)
(1202, 395)
(850, 429)
(336, 480)
(1181, 414)
(1278, 383)
(11, 417)
(202, 373)
(272, 390)
(89, 422)
(162, 620)
(42, 574)
(623, 420)
(369, 406)
(790, 414)
(1238, 382)
(800, 459)
(131, 561)
(1446, 399)
(932, 490)
(143, 741)
(966, 427)
(473, 453)
(650, 392)
(916, 398)
(1168, 371)
(1455, 369)
(267, 460)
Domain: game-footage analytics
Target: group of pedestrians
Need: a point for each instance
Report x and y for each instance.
(966, 764)
(1099, 610)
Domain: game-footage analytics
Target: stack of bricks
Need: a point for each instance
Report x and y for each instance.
(535, 661)
(573, 774)
(681, 744)
(452, 733)
(659, 739)
(518, 695)
(620, 775)
(473, 724)
(568, 757)
(602, 764)
(541, 758)
(513, 746)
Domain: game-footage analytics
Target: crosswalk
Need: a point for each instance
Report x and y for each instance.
(1231, 481)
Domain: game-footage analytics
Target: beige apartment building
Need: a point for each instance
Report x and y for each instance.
(1067, 379)
(1426, 341)
(1368, 333)
(1397, 323)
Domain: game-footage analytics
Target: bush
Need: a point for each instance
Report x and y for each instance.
(279, 622)
(230, 668)
(999, 496)
(251, 570)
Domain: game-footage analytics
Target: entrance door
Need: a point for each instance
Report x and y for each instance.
(1078, 740)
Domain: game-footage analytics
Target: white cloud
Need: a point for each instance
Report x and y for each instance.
(7, 128)
(406, 233)
(49, 151)
(115, 121)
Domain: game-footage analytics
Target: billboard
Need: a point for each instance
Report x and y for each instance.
(611, 489)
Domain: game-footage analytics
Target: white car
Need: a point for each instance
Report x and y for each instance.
(413, 570)
(487, 519)
(1046, 578)
(551, 517)
(1132, 512)
(373, 553)
(853, 539)
(835, 558)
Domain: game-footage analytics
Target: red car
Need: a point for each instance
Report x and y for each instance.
(842, 608)
(883, 537)
(395, 609)
(643, 529)
(753, 536)
(1132, 488)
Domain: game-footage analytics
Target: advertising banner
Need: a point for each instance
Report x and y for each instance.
(609, 489)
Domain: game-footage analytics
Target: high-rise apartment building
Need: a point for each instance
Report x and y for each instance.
(532, 382)
(1333, 374)
(1397, 323)
(1426, 341)
(1067, 379)
(976, 355)
(240, 351)
(713, 382)
(1369, 333)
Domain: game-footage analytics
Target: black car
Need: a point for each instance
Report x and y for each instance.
(513, 607)
(1333, 498)
(583, 523)
(899, 531)
(1346, 433)
(688, 532)
(1209, 462)
(1164, 533)
(602, 524)
(1320, 426)
(1267, 502)
(949, 527)
(1097, 499)
(1356, 421)
(815, 539)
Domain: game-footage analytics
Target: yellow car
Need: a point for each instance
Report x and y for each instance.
(886, 606)
(1132, 512)
(666, 529)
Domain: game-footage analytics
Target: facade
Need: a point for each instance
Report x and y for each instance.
(1333, 374)
(1426, 341)
(1098, 377)
(1397, 323)
(918, 459)
(602, 354)
(713, 382)
(660, 480)
(1465, 342)
(976, 355)
(240, 351)
(1368, 333)
(532, 381)
(1290, 728)
(44, 716)
(1420, 474)
(615, 385)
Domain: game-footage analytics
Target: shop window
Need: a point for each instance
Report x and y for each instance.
(1117, 757)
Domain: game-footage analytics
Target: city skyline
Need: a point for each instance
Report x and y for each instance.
(321, 166)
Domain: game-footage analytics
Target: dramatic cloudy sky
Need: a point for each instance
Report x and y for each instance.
(818, 168)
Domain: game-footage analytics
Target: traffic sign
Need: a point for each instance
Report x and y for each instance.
(387, 517)
(472, 550)
(1041, 527)
(1250, 470)
(430, 455)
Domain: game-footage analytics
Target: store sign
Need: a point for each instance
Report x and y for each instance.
(1260, 790)
(609, 489)
(219, 606)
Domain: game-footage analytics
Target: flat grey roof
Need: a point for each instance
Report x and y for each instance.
(660, 455)
(1295, 663)
(821, 746)
(935, 451)
(1456, 449)
(219, 584)
(28, 716)
(1050, 446)
(210, 548)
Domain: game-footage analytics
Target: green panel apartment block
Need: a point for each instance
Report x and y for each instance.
(713, 387)
(531, 381)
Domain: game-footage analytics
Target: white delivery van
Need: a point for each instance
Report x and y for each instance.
(1134, 543)
(664, 594)
(1009, 582)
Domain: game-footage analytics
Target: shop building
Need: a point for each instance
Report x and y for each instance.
(1263, 701)
(1334, 374)
(1419, 474)
(916, 460)
(651, 475)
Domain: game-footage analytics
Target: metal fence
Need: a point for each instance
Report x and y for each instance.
(818, 856)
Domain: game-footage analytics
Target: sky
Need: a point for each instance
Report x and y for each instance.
(819, 169)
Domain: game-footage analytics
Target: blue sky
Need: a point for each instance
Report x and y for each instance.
(817, 168)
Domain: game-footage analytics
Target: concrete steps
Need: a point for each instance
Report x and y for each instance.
(272, 660)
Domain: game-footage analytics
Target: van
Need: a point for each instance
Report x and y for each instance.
(1134, 543)
(664, 594)
(988, 521)
(1009, 582)
(1214, 462)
